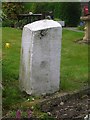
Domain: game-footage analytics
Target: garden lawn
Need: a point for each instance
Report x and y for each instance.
(74, 62)
(73, 72)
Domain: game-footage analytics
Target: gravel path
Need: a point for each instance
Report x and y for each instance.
(73, 29)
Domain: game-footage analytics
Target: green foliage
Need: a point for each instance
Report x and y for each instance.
(70, 12)
(30, 7)
(81, 27)
(10, 11)
(44, 7)
(8, 22)
(57, 10)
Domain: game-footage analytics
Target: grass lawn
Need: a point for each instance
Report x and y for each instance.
(74, 66)
(74, 61)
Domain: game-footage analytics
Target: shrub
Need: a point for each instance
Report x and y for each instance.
(10, 12)
(81, 28)
(70, 12)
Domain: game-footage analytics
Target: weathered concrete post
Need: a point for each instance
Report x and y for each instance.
(40, 57)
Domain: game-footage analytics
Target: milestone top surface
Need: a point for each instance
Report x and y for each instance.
(42, 24)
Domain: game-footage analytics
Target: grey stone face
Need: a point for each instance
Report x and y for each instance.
(40, 57)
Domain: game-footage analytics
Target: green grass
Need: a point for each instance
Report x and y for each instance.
(73, 73)
(10, 66)
(74, 62)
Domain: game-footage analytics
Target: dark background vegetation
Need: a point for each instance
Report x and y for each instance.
(69, 12)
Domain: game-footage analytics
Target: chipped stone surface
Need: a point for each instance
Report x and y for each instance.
(40, 57)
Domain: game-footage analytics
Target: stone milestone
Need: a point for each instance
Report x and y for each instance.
(40, 57)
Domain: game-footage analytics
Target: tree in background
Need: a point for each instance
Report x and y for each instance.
(30, 7)
(10, 11)
(70, 12)
(42, 7)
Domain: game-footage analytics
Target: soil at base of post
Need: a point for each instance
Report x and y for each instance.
(69, 107)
